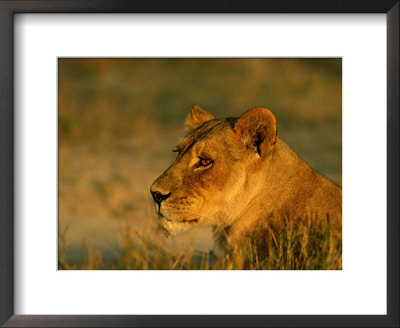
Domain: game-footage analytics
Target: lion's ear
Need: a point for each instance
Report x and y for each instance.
(257, 129)
(196, 117)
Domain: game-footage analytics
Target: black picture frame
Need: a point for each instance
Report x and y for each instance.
(7, 11)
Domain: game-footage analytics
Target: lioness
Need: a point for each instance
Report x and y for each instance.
(236, 174)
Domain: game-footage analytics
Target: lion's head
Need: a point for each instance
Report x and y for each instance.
(218, 168)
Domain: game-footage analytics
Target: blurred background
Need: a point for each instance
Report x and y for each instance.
(119, 119)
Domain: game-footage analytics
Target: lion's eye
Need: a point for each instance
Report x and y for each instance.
(205, 161)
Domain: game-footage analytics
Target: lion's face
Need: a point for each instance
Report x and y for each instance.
(209, 178)
(203, 182)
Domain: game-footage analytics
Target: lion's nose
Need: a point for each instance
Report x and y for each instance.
(158, 196)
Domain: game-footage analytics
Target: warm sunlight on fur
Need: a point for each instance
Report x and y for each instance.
(238, 176)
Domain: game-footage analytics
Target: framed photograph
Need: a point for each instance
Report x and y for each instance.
(191, 164)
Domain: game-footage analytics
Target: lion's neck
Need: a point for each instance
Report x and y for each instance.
(270, 197)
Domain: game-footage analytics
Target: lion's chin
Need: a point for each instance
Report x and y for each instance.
(172, 228)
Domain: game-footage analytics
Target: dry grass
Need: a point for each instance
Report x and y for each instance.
(297, 245)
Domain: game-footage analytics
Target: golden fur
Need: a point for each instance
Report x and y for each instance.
(236, 174)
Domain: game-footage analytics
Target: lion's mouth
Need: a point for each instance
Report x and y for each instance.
(161, 215)
(173, 227)
(190, 221)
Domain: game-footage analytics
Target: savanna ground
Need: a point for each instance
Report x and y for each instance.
(119, 119)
